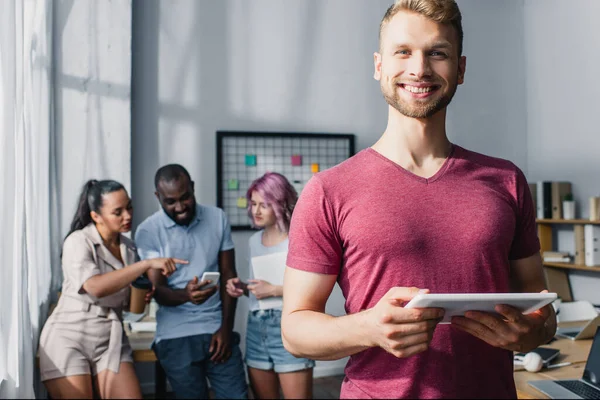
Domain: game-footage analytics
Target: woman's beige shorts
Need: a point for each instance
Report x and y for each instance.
(78, 345)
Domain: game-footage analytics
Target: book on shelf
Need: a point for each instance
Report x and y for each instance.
(591, 238)
(557, 259)
(556, 254)
(548, 197)
(544, 199)
(558, 192)
(579, 244)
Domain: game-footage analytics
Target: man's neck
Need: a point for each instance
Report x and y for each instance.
(417, 145)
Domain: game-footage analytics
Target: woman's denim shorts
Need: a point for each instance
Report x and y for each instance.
(264, 347)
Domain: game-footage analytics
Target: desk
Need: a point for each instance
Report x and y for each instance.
(140, 344)
(573, 351)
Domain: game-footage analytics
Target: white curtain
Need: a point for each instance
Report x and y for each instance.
(26, 180)
(64, 119)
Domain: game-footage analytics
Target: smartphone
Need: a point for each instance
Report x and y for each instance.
(213, 276)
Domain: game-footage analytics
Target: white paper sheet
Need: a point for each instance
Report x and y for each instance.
(131, 317)
(144, 326)
(270, 268)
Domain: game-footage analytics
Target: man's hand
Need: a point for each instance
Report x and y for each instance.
(261, 289)
(401, 331)
(511, 330)
(195, 293)
(220, 346)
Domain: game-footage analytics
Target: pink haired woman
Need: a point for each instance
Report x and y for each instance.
(271, 200)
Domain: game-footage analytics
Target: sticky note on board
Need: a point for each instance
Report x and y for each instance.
(233, 184)
(296, 160)
(314, 168)
(242, 202)
(250, 160)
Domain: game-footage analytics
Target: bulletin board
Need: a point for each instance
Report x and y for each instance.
(243, 157)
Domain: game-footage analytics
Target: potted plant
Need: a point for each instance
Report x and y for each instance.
(568, 206)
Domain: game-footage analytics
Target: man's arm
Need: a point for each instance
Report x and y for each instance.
(229, 303)
(305, 328)
(527, 276)
(513, 330)
(168, 296)
(164, 295)
(307, 331)
(220, 344)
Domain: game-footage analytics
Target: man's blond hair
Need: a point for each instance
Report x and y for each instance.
(440, 11)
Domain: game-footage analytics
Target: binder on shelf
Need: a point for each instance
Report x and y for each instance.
(544, 199)
(579, 245)
(558, 192)
(592, 245)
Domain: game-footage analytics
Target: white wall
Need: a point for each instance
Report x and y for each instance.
(92, 76)
(488, 113)
(302, 65)
(562, 47)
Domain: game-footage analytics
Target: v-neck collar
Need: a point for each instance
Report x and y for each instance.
(438, 175)
(104, 253)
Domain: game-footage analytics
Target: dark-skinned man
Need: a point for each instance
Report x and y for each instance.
(194, 341)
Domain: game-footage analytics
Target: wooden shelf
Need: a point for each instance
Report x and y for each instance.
(557, 273)
(567, 221)
(571, 266)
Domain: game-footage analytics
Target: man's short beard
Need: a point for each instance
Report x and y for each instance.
(421, 111)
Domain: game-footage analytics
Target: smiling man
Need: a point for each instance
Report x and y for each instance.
(194, 339)
(415, 212)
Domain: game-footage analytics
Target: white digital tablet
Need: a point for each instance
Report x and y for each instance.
(458, 303)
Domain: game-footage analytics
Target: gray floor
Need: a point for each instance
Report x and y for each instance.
(323, 388)
(327, 388)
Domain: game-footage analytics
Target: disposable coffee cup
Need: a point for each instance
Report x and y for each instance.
(137, 303)
(139, 288)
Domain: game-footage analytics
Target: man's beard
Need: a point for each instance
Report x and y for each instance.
(418, 110)
(183, 222)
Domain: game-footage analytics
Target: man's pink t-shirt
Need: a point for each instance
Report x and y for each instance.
(377, 226)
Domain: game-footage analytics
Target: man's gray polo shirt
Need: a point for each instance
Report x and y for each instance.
(200, 243)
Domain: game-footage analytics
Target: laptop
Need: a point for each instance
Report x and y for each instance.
(588, 387)
(584, 331)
